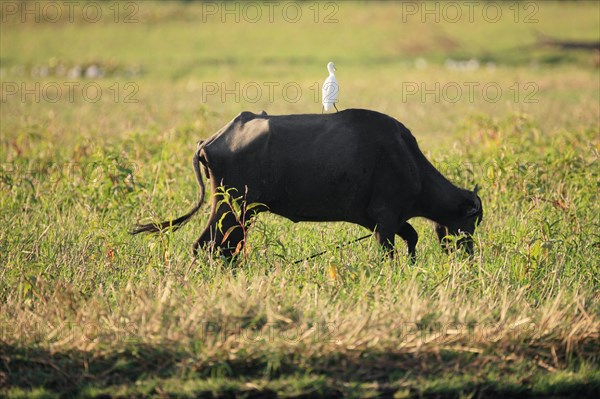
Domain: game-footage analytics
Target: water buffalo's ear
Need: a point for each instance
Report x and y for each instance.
(470, 208)
(263, 113)
(472, 211)
(474, 205)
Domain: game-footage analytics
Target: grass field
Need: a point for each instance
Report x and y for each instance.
(86, 310)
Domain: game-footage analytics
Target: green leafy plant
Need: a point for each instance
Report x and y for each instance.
(243, 213)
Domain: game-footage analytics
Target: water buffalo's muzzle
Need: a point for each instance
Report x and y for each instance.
(467, 244)
(450, 241)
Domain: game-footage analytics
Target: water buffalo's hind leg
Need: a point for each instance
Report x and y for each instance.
(206, 241)
(409, 234)
(223, 233)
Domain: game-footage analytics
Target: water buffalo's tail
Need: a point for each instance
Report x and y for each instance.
(176, 223)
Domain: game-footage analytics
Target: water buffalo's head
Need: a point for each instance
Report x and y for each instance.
(470, 214)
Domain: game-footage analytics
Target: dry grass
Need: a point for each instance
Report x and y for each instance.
(240, 326)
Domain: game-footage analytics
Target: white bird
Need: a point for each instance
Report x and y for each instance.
(330, 89)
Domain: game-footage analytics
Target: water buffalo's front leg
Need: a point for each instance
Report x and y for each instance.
(385, 237)
(383, 222)
(386, 240)
(409, 234)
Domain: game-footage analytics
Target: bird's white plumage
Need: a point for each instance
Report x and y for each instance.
(330, 89)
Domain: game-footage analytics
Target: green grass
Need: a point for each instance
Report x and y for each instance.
(88, 310)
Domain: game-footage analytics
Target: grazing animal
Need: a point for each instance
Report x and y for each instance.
(357, 166)
(330, 89)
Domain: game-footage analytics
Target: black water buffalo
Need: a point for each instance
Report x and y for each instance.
(355, 166)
